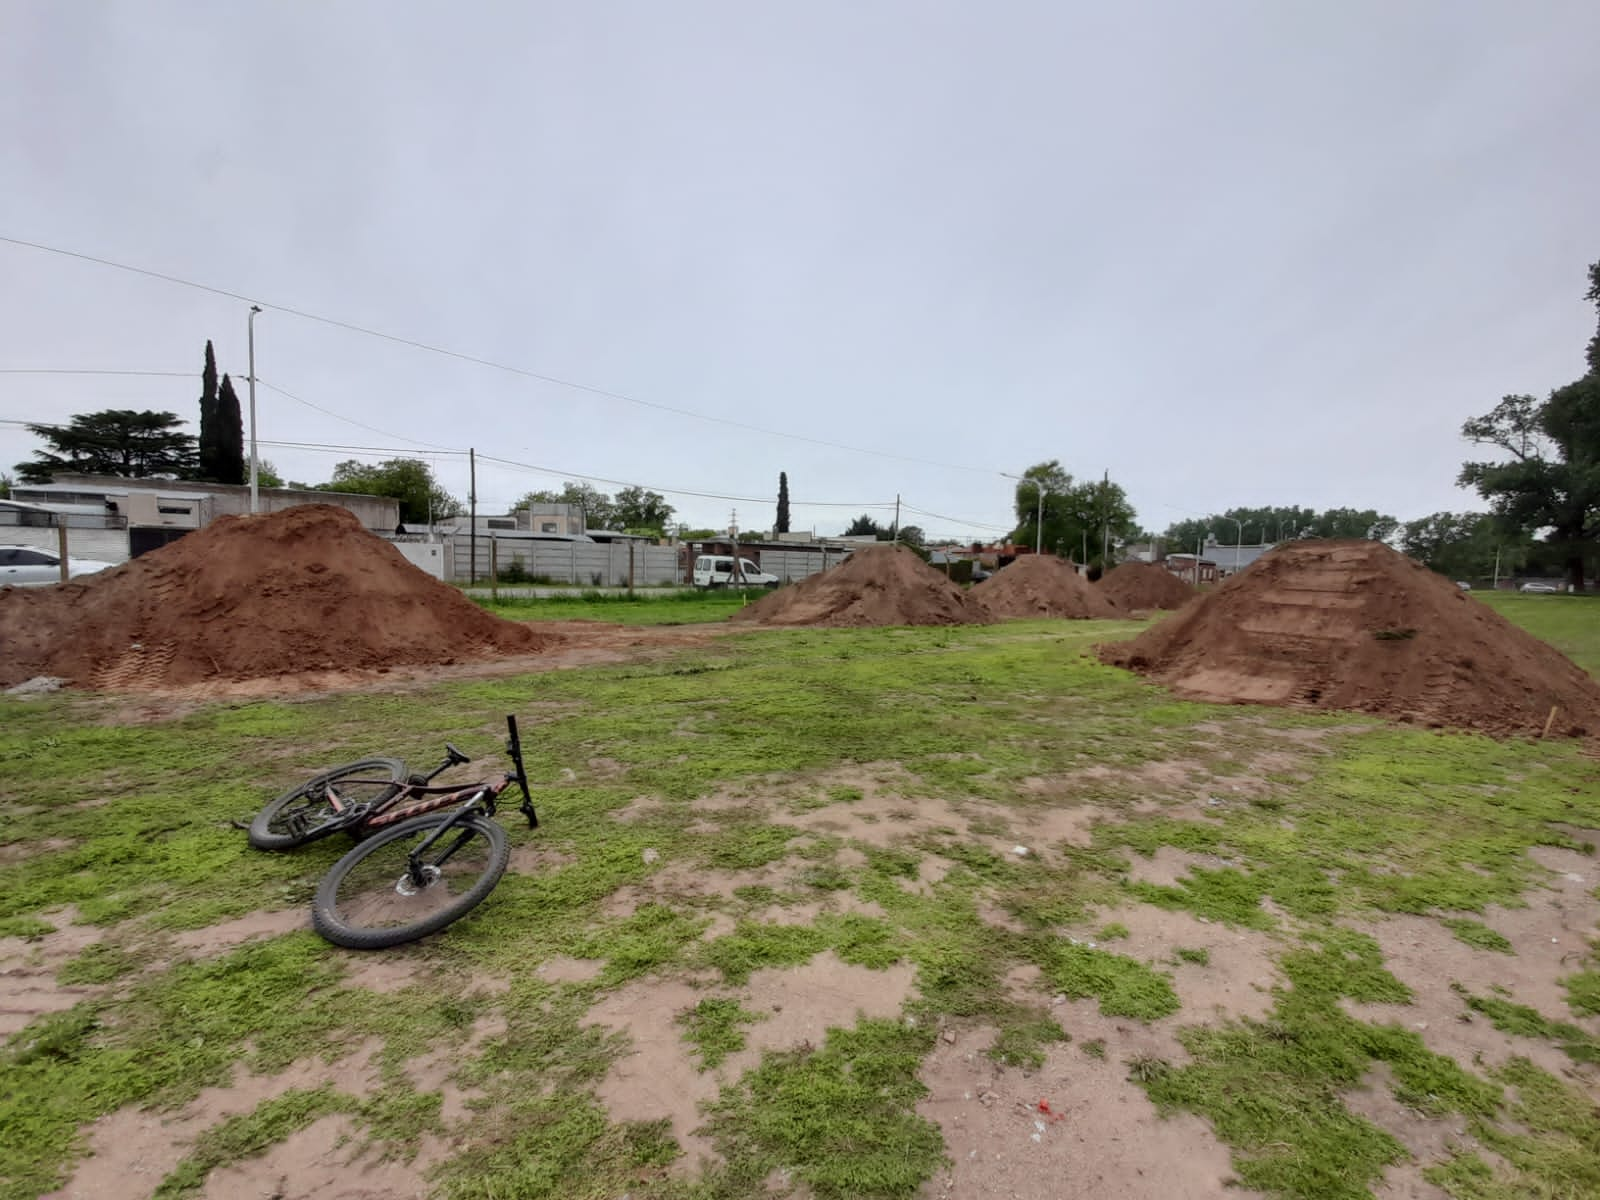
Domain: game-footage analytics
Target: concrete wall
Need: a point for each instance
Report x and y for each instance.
(436, 558)
(380, 513)
(590, 564)
(790, 565)
(104, 545)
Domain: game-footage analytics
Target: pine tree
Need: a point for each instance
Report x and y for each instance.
(210, 444)
(783, 502)
(231, 466)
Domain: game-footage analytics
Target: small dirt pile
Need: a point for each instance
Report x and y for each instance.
(300, 590)
(1139, 587)
(1355, 625)
(881, 585)
(1042, 585)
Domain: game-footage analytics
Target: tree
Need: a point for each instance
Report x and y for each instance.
(1593, 296)
(783, 503)
(408, 480)
(1463, 545)
(912, 535)
(640, 511)
(231, 464)
(598, 510)
(1261, 526)
(865, 526)
(5, 487)
(1081, 520)
(210, 432)
(114, 441)
(267, 474)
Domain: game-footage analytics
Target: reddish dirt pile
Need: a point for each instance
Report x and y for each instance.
(881, 585)
(1139, 587)
(1355, 625)
(304, 589)
(1042, 585)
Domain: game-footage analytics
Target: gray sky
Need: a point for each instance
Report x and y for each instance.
(1237, 253)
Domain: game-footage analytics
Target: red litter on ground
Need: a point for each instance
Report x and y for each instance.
(1044, 1107)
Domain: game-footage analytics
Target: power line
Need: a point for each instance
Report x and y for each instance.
(922, 512)
(91, 371)
(477, 360)
(352, 421)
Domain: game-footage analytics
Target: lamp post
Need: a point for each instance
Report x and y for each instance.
(1238, 542)
(255, 466)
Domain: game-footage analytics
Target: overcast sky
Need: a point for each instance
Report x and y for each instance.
(1235, 253)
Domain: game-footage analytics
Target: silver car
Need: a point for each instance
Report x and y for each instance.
(1544, 589)
(28, 566)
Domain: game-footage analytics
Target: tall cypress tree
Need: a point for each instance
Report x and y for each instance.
(231, 465)
(209, 443)
(783, 502)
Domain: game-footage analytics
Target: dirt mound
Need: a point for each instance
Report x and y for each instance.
(1137, 586)
(1355, 625)
(304, 589)
(881, 585)
(1042, 585)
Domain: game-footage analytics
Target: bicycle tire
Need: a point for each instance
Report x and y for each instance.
(278, 826)
(363, 903)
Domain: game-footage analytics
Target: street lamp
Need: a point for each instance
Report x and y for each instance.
(1238, 543)
(1038, 543)
(255, 465)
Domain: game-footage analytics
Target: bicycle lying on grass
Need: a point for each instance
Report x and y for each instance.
(416, 868)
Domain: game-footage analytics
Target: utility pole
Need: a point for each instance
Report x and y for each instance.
(896, 534)
(1038, 524)
(733, 538)
(1495, 587)
(472, 501)
(1105, 519)
(255, 468)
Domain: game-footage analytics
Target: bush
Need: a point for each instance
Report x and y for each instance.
(513, 572)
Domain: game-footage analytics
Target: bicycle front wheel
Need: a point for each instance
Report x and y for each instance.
(306, 813)
(373, 897)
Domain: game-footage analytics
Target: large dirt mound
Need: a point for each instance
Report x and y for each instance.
(1355, 625)
(304, 589)
(1042, 585)
(1138, 587)
(881, 585)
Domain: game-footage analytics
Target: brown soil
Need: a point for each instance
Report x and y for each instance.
(1355, 625)
(1139, 587)
(1042, 585)
(249, 597)
(881, 585)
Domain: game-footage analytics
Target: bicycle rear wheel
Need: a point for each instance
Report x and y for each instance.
(370, 899)
(306, 814)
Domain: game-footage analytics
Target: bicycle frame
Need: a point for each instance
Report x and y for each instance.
(481, 801)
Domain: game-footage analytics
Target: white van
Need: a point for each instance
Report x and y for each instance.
(717, 570)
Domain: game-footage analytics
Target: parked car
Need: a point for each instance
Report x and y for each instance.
(28, 566)
(1549, 589)
(717, 570)
(1463, 585)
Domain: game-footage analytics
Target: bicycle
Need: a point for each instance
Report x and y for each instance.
(405, 878)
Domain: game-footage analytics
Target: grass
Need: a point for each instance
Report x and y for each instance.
(642, 608)
(1478, 935)
(1379, 820)
(1569, 623)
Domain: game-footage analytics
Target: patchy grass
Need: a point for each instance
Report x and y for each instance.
(840, 1118)
(1583, 993)
(248, 1135)
(715, 1028)
(642, 608)
(1478, 935)
(1374, 820)
(1510, 1017)
(1199, 957)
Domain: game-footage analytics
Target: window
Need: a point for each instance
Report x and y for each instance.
(724, 566)
(8, 556)
(547, 527)
(34, 558)
(502, 523)
(174, 510)
(749, 567)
